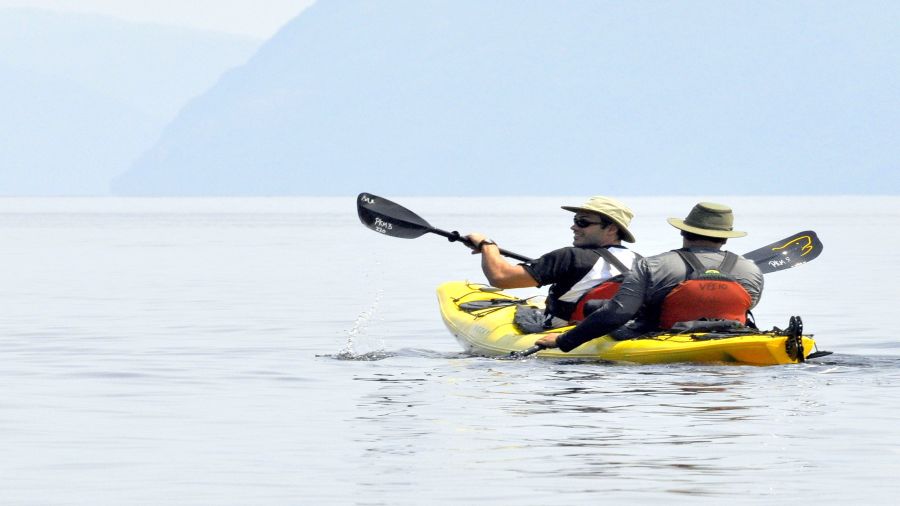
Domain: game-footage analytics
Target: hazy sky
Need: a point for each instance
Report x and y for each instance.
(257, 18)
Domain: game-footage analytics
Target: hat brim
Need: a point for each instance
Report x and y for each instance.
(706, 232)
(629, 237)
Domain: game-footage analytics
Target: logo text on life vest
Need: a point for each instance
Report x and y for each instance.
(708, 287)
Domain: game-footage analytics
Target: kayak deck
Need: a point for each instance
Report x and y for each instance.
(490, 331)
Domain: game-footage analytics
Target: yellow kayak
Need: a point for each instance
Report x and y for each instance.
(481, 318)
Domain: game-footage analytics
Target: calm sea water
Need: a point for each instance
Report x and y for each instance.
(274, 351)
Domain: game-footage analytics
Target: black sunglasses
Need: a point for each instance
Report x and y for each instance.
(583, 223)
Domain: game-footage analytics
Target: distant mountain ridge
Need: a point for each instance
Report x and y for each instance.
(83, 96)
(466, 97)
(71, 143)
(154, 68)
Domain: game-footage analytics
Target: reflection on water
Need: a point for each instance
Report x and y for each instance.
(615, 430)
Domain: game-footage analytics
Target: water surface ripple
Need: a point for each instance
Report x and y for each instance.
(273, 351)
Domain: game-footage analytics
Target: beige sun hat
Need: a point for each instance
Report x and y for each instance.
(611, 208)
(708, 219)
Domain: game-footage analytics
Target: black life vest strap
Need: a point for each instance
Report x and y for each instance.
(728, 263)
(612, 260)
(694, 263)
(691, 260)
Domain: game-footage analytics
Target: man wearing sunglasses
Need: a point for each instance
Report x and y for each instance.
(697, 285)
(596, 255)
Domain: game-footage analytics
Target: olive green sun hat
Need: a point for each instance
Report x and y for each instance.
(610, 208)
(709, 219)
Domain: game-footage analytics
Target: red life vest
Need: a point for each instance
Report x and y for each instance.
(603, 291)
(707, 293)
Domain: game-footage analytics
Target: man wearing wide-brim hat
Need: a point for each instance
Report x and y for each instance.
(697, 283)
(599, 227)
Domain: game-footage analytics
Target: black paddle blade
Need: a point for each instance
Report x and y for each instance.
(786, 253)
(389, 218)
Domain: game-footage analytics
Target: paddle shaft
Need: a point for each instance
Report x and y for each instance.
(454, 236)
(775, 261)
(525, 353)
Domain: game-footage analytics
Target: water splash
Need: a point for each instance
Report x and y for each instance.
(403, 352)
(361, 357)
(358, 330)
